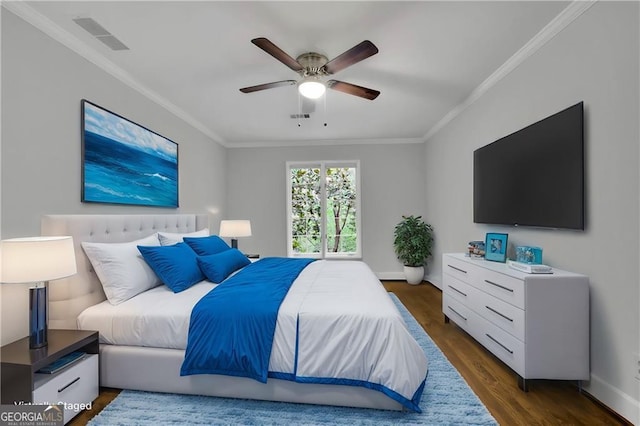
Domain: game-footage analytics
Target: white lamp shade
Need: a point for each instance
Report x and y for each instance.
(235, 228)
(311, 88)
(36, 259)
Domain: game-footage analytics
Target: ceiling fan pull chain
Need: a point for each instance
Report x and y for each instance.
(299, 108)
(325, 110)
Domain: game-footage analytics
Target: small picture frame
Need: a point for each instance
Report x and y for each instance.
(496, 247)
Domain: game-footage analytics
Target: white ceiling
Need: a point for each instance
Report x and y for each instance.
(194, 56)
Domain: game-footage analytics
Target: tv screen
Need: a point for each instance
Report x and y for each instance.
(535, 176)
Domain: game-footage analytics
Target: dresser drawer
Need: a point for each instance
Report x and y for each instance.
(508, 317)
(456, 311)
(457, 289)
(502, 286)
(510, 350)
(76, 384)
(464, 271)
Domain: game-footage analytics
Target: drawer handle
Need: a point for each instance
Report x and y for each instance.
(457, 269)
(499, 286)
(69, 384)
(455, 289)
(498, 313)
(501, 345)
(456, 312)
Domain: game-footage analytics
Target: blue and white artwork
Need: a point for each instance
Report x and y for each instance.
(125, 163)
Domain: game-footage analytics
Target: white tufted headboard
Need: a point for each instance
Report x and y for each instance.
(70, 296)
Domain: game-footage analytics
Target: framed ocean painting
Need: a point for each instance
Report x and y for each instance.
(125, 163)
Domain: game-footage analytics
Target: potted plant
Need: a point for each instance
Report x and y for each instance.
(413, 240)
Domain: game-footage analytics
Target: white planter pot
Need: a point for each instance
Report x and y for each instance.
(414, 274)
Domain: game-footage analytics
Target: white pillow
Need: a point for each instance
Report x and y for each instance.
(121, 269)
(169, 238)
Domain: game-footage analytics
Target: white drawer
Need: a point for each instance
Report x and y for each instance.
(510, 350)
(456, 311)
(76, 384)
(459, 269)
(506, 316)
(504, 287)
(457, 289)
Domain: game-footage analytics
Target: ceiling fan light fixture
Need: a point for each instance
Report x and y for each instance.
(311, 87)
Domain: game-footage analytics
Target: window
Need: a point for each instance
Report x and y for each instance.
(323, 206)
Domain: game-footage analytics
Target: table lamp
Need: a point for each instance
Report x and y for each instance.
(36, 260)
(235, 229)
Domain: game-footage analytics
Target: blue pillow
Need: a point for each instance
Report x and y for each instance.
(204, 246)
(176, 265)
(217, 267)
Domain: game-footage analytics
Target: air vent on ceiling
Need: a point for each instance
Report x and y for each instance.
(297, 116)
(99, 32)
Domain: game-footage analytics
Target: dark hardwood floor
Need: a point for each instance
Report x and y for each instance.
(547, 402)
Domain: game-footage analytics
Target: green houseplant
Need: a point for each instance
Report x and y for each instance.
(413, 241)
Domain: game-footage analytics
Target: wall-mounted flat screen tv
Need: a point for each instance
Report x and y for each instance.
(126, 163)
(535, 176)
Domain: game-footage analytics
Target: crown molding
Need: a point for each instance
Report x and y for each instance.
(323, 142)
(38, 20)
(553, 28)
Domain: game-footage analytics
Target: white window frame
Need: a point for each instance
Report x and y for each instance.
(323, 165)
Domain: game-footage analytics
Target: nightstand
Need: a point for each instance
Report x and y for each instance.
(75, 385)
(253, 257)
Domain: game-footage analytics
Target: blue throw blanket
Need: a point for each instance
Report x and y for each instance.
(232, 327)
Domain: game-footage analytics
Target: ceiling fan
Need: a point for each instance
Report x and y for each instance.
(312, 67)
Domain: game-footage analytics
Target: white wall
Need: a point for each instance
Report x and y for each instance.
(595, 59)
(42, 85)
(392, 179)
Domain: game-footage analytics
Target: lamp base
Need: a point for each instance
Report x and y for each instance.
(234, 243)
(37, 317)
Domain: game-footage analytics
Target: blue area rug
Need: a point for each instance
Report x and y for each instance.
(447, 400)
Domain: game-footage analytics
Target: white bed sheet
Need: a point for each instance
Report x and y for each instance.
(157, 318)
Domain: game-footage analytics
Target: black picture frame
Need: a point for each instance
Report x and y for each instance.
(496, 247)
(126, 163)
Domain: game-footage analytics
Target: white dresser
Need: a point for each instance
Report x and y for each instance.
(537, 324)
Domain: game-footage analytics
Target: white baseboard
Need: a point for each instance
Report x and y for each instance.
(614, 398)
(399, 275)
(390, 275)
(436, 280)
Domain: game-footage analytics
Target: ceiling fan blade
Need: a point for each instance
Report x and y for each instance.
(277, 53)
(265, 86)
(354, 55)
(353, 89)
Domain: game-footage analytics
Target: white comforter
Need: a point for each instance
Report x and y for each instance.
(348, 328)
(337, 312)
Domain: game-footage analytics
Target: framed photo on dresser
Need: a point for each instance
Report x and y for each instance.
(496, 247)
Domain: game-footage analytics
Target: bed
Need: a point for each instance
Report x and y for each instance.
(140, 350)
